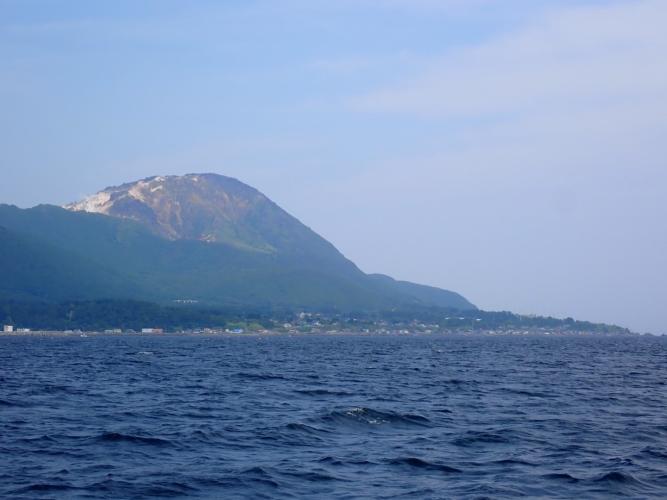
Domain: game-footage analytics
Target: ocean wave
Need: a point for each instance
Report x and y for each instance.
(616, 477)
(526, 392)
(513, 461)
(561, 476)
(44, 488)
(322, 392)
(6, 402)
(115, 437)
(419, 463)
(307, 429)
(312, 476)
(471, 438)
(337, 462)
(259, 376)
(370, 417)
(653, 452)
(259, 475)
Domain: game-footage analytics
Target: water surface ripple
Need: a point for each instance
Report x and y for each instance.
(332, 417)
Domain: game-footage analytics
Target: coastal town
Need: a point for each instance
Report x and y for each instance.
(305, 323)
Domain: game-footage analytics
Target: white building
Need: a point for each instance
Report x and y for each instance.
(152, 330)
(8, 329)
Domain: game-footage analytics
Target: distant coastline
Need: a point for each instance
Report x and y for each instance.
(274, 333)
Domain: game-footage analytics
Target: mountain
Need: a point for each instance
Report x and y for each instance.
(32, 268)
(207, 207)
(422, 293)
(199, 237)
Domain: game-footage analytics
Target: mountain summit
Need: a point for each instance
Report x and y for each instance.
(204, 207)
(197, 238)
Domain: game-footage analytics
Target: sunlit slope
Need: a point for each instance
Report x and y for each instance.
(242, 251)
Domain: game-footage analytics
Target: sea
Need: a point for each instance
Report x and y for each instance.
(332, 416)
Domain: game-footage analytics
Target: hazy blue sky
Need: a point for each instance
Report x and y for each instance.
(512, 150)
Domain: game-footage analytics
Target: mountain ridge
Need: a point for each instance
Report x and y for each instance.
(244, 251)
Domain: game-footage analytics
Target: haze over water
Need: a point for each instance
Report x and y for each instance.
(333, 416)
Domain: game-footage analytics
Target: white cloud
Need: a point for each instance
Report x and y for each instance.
(575, 57)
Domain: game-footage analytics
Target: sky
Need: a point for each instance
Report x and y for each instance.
(511, 150)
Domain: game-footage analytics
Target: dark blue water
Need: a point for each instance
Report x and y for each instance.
(333, 417)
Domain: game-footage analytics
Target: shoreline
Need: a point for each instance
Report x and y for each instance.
(451, 333)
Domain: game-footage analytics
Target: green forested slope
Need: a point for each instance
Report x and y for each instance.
(51, 253)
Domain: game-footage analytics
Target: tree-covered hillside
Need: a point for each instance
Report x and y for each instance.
(57, 254)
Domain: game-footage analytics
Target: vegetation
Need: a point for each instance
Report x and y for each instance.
(50, 254)
(107, 314)
(99, 315)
